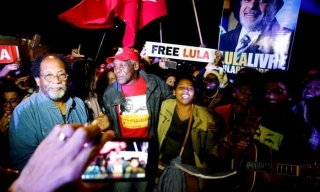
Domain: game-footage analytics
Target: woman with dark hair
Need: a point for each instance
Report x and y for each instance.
(105, 78)
(170, 78)
(212, 95)
(201, 147)
(10, 97)
(83, 85)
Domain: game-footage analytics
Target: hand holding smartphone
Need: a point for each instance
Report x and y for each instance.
(122, 159)
(171, 64)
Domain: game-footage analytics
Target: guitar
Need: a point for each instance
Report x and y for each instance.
(250, 168)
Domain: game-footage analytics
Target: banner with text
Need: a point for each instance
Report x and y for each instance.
(8, 54)
(258, 34)
(180, 52)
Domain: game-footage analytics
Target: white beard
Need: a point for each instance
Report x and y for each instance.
(56, 96)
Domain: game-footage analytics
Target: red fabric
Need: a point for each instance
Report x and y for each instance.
(91, 14)
(225, 112)
(137, 88)
(225, 150)
(124, 54)
(129, 15)
(71, 60)
(151, 10)
(97, 14)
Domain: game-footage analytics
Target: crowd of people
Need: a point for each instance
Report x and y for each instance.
(258, 118)
(59, 110)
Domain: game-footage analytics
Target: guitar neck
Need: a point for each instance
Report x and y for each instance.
(285, 169)
(281, 169)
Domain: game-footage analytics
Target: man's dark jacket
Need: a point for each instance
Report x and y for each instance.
(157, 91)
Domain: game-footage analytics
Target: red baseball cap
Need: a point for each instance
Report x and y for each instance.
(124, 54)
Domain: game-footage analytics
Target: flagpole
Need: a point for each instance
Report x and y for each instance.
(195, 13)
(160, 25)
(104, 34)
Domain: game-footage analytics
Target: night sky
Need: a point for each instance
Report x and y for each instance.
(178, 27)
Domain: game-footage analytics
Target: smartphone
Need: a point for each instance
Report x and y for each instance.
(171, 64)
(122, 159)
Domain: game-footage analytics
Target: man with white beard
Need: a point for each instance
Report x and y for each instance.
(34, 117)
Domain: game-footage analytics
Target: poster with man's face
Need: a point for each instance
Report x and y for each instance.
(258, 34)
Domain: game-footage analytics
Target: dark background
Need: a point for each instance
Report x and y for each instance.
(28, 17)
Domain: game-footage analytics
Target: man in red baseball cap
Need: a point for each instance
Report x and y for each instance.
(124, 54)
(132, 104)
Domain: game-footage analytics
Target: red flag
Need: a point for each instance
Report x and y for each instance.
(151, 10)
(148, 11)
(91, 14)
(100, 14)
(129, 15)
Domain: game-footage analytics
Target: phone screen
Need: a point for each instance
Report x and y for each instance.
(171, 64)
(125, 159)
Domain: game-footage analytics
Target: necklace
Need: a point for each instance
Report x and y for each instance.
(212, 97)
(215, 94)
(212, 101)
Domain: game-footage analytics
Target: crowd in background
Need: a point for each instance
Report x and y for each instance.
(272, 114)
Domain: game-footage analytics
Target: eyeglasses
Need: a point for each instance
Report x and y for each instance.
(11, 102)
(50, 77)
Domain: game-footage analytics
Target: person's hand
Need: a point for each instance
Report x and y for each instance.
(241, 139)
(102, 121)
(203, 45)
(23, 82)
(116, 146)
(242, 143)
(270, 177)
(76, 52)
(210, 66)
(156, 60)
(61, 158)
(144, 57)
(9, 67)
(162, 63)
(143, 52)
(13, 66)
(4, 122)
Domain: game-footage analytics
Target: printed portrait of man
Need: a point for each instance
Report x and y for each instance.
(127, 108)
(258, 30)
